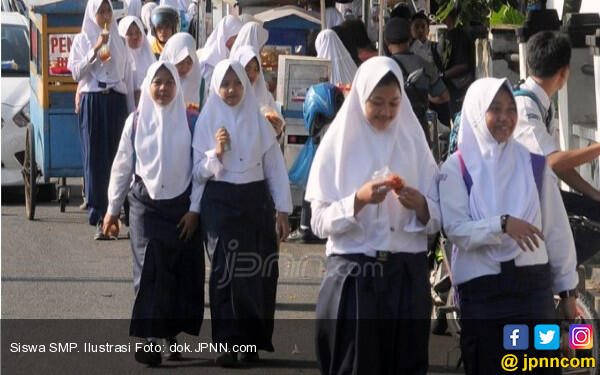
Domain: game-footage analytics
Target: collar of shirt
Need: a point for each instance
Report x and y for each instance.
(532, 85)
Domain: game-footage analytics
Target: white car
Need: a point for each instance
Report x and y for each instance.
(15, 95)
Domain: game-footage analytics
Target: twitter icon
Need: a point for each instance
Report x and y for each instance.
(546, 337)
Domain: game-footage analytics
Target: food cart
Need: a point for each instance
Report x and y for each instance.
(52, 147)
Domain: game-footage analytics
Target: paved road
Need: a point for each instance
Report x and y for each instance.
(51, 269)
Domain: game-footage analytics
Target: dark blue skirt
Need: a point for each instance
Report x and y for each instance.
(373, 316)
(101, 120)
(168, 272)
(238, 228)
(518, 295)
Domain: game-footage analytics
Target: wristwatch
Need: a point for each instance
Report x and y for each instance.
(503, 220)
(569, 293)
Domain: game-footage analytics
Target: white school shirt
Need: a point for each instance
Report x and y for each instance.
(531, 129)
(272, 169)
(81, 61)
(471, 237)
(123, 170)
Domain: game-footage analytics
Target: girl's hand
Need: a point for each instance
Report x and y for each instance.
(275, 121)
(108, 222)
(282, 226)
(222, 138)
(412, 199)
(525, 234)
(373, 192)
(100, 41)
(188, 225)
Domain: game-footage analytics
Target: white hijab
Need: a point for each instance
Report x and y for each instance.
(134, 8)
(115, 67)
(251, 34)
(215, 49)
(177, 49)
(244, 55)
(147, 16)
(352, 150)
(142, 57)
(251, 135)
(329, 46)
(503, 181)
(163, 140)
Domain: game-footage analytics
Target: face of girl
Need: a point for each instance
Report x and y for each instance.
(501, 116)
(252, 70)
(184, 66)
(163, 32)
(230, 41)
(419, 29)
(162, 87)
(134, 36)
(383, 105)
(104, 14)
(231, 90)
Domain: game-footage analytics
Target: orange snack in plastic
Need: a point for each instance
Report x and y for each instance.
(394, 182)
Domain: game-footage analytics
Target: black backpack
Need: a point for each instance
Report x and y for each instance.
(418, 97)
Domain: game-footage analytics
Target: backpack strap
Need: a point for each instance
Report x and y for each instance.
(404, 71)
(531, 95)
(538, 164)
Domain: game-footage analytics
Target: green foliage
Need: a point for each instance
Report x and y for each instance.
(507, 15)
(471, 10)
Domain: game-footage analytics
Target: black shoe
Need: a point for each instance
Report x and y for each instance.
(227, 360)
(150, 358)
(99, 235)
(304, 236)
(249, 357)
(171, 355)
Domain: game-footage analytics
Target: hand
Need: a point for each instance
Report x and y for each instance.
(222, 138)
(373, 192)
(525, 234)
(188, 225)
(569, 309)
(275, 121)
(100, 41)
(410, 198)
(77, 99)
(282, 226)
(108, 222)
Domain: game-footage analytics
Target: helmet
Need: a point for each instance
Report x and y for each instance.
(165, 15)
(321, 105)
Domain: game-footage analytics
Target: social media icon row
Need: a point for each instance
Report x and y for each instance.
(547, 336)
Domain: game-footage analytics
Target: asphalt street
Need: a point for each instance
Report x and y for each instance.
(82, 289)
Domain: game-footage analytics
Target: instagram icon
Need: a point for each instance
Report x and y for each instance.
(581, 336)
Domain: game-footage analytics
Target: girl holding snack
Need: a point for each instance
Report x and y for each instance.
(239, 165)
(374, 303)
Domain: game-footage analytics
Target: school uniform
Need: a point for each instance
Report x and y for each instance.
(142, 57)
(240, 194)
(374, 303)
(179, 47)
(155, 159)
(329, 46)
(215, 50)
(537, 130)
(497, 282)
(106, 91)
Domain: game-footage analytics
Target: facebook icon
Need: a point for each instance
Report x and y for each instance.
(516, 337)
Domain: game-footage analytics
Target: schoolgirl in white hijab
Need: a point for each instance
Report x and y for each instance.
(244, 55)
(106, 97)
(217, 47)
(178, 49)
(147, 19)
(502, 209)
(155, 154)
(251, 34)
(369, 225)
(329, 46)
(142, 56)
(239, 186)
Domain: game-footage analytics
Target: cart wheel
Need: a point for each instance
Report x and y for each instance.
(29, 172)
